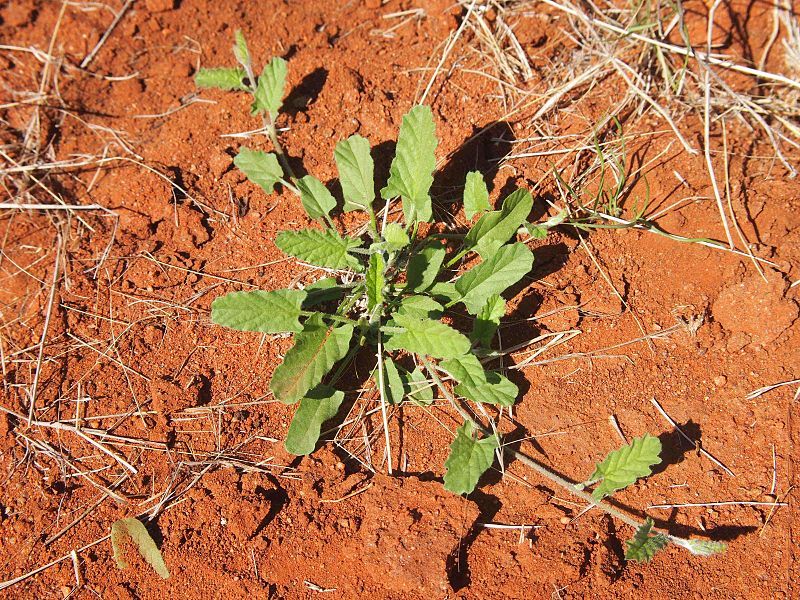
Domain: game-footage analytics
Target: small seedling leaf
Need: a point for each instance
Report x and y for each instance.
(375, 281)
(222, 78)
(271, 83)
(701, 547)
(261, 168)
(267, 312)
(411, 173)
(135, 530)
(316, 198)
(240, 50)
(497, 227)
(423, 267)
(469, 459)
(487, 320)
(623, 467)
(324, 248)
(356, 173)
(316, 349)
(497, 390)
(427, 337)
(499, 271)
(465, 369)
(395, 236)
(643, 546)
(421, 307)
(393, 386)
(539, 230)
(476, 196)
(319, 405)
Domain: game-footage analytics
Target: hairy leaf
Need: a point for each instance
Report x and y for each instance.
(643, 546)
(418, 388)
(135, 530)
(375, 281)
(427, 337)
(469, 459)
(465, 369)
(316, 349)
(501, 270)
(476, 196)
(222, 78)
(422, 307)
(240, 50)
(324, 290)
(316, 198)
(319, 405)
(497, 390)
(324, 248)
(487, 320)
(624, 466)
(356, 173)
(261, 168)
(395, 236)
(411, 173)
(268, 312)
(269, 92)
(393, 386)
(701, 547)
(423, 267)
(495, 228)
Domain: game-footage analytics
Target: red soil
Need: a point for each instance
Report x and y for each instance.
(130, 333)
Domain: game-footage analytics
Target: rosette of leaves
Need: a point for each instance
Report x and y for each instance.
(400, 284)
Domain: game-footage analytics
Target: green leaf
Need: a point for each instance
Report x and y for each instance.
(356, 173)
(392, 382)
(487, 320)
(411, 173)
(323, 248)
(624, 466)
(240, 50)
(427, 337)
(421, 307)
(502, 269)
(497, 390)
(465, 369)
(423, 267)
(269, 92)
(375, 281)
(643, 546)
(445, 291)
(497, 227)
(395, 236)
(419, 388)
(476, 196)
(321, 291)
(701, 547)
(539, 230)
(268, 312)
(316, 198)
(319, 405)
(469, 459)
(261, 168)
(316, 349)
(135, 530)
(222, 78)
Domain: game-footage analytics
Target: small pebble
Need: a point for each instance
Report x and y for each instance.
(720, 380)
(565, 520)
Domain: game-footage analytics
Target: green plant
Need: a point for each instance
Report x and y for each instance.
(399, 294)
